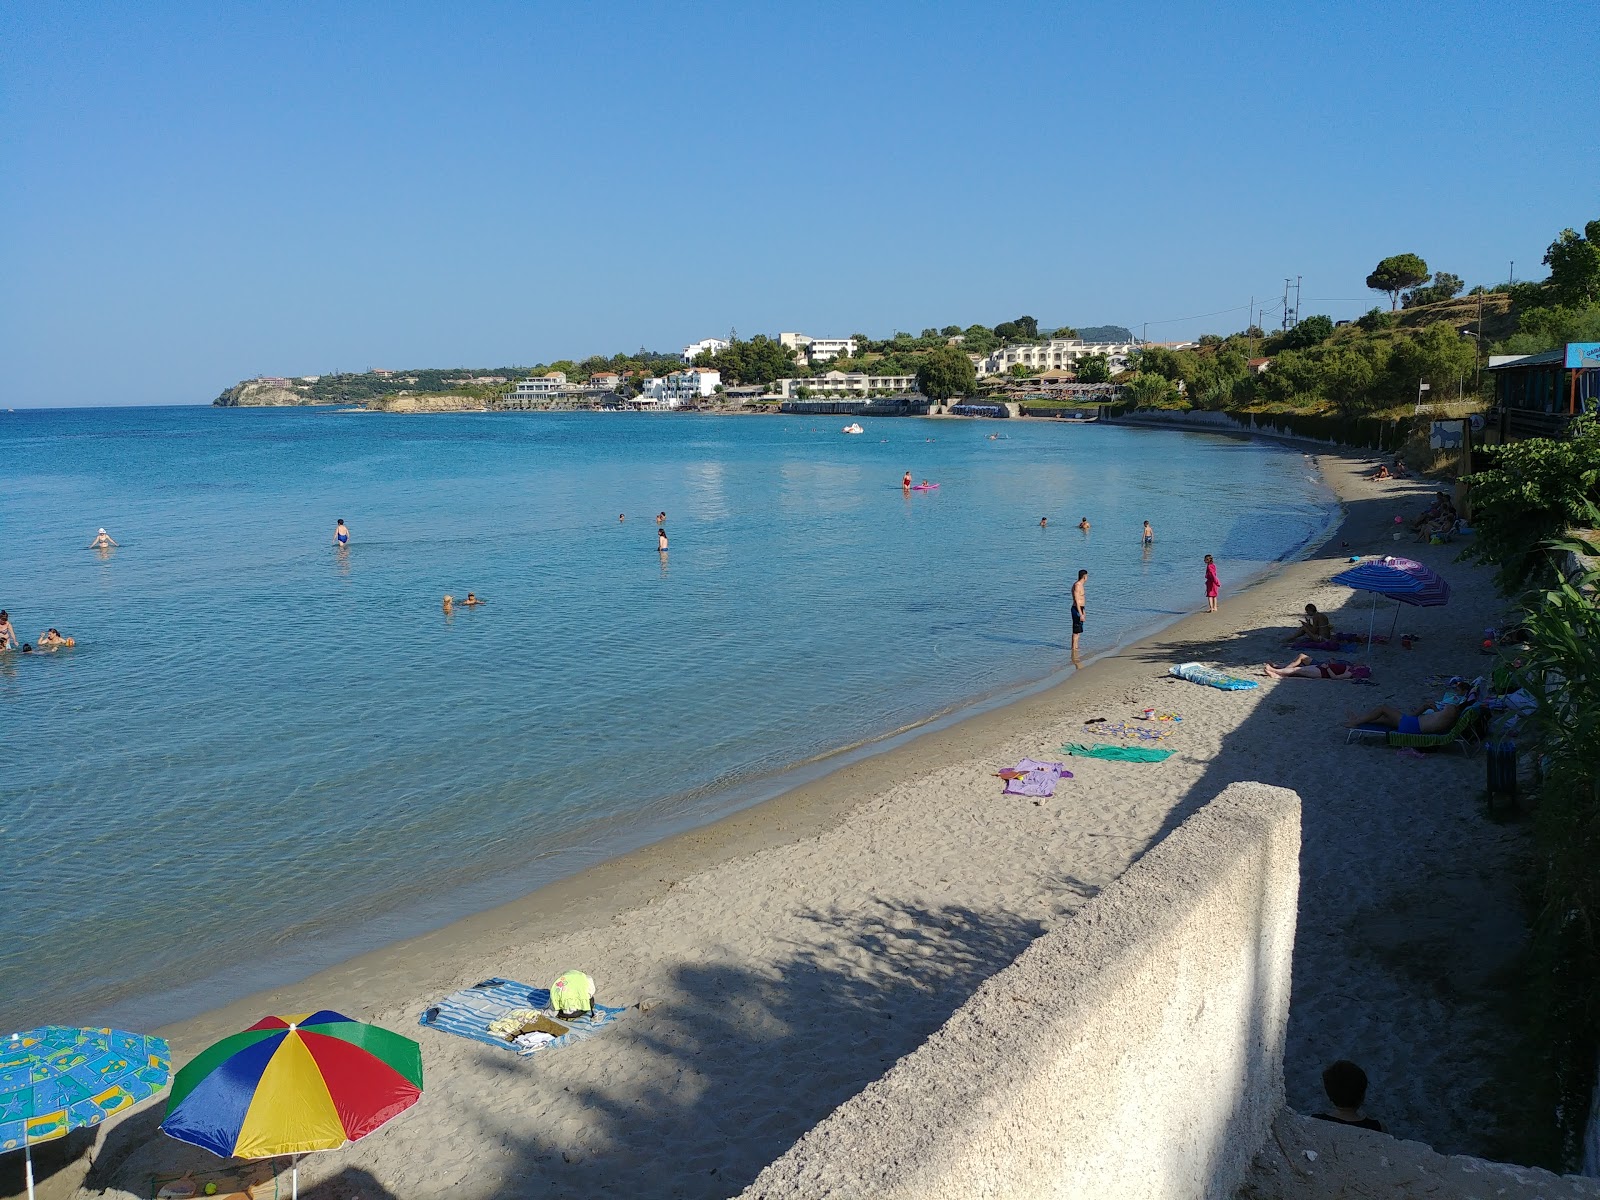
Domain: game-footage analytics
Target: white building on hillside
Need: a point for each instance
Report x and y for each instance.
(818, 350)
(1056, 354)
(677, 389)
(845, 383)
(705, 346)
(540, 387)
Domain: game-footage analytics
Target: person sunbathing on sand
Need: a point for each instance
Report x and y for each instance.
(1303, 667)
(1381, 473)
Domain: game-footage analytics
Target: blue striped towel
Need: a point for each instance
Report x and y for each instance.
(467, 1014)
(1211, 677)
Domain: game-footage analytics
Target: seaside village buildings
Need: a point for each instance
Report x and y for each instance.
(692, 384)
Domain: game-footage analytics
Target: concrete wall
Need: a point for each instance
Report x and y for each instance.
(1135, 1051)
(1307, 1159)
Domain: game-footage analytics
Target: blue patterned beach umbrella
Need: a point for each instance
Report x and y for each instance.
(1402, 579)
(58, 1078)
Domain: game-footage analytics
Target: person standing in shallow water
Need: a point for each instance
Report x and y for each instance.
(1213, 584)
(661, 539)
(341, 535)
(1079, 604)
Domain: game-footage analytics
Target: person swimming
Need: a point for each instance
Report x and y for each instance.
(471, 601)
(1044, 522)
(103, 541)
(341, 535)
(51, 639)
(1084, 524)
(622, 516)
(661, 518)
(448, 604)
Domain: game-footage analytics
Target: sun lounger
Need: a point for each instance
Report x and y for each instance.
(1464, 733)
(1363, 732)
(467, 1014)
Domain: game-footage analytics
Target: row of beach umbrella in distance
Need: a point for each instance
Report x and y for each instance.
(285, 1086)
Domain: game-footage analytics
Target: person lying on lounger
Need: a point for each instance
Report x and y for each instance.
(1438, 717)
(1302, 667)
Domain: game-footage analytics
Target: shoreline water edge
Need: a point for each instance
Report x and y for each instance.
(903, 877)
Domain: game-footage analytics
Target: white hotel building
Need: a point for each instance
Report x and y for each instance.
(847, 384)
(1056, 354)
(540, 387)
(673, 391)
(705, 346)
(818, 350)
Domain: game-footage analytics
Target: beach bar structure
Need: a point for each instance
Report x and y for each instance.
(1537, 395)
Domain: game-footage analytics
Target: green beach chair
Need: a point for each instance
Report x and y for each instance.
(1465, 733)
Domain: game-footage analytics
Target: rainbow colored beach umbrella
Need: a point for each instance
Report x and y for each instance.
(58, 1078)
(291, 1085)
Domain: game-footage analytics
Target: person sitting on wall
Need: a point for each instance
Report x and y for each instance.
(1346, 1086)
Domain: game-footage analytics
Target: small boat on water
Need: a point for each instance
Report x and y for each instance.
(1079, 418)
(852, 428)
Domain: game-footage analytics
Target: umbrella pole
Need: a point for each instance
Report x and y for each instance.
(27, 1161)
(294, 1177)
(1372, 623)
(1396, 624)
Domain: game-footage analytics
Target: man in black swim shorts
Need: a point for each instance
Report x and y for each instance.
(1078, 604)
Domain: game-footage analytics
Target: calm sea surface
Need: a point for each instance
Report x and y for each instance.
(266, 754)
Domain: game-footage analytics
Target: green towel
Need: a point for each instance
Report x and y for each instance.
(1117, 753)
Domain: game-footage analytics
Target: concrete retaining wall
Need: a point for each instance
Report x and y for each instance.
(1135, 1051)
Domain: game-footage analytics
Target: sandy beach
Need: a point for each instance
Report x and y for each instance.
(785, 956)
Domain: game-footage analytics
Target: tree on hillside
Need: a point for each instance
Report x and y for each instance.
(978, 339)
(1574, 264)
(1397, 273)
(1023, 329)
(1310, 332)
(1093, 368)
(760, 360)
(950, 331)
(1445, 286)
(1066, 331)
(945, 373)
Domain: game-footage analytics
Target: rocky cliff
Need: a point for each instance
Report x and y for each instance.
(251, 394)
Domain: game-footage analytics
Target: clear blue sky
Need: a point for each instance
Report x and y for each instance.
(191, 194)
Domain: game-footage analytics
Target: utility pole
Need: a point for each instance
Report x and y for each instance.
(1297, 299)
(1284, 322)
(1513, 278)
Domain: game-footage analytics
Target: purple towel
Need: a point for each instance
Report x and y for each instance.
(1040, 779)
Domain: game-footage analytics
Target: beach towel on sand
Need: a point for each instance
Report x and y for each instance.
(467, 1014)
(1033, 778)
(1211, 677)
(1117, 753)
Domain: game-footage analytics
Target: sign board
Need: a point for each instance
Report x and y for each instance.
(1447, 435)
(1583, 355)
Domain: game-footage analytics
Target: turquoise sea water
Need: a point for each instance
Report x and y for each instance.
(266, 754)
